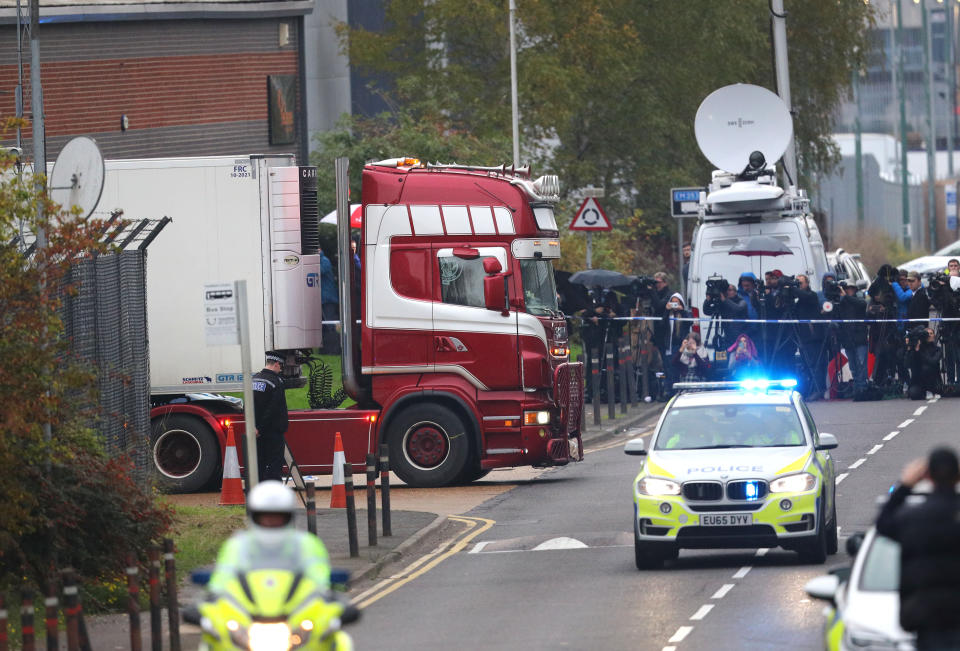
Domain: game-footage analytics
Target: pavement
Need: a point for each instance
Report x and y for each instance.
(418, 518)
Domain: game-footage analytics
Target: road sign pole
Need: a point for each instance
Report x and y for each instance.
(589, 249)
(683, 283)
(249, 418)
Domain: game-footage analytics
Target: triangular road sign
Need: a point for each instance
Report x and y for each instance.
(590, 217)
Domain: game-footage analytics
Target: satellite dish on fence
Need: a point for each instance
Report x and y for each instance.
(77, 176)
(737, 120)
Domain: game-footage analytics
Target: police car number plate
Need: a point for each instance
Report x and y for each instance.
(726, 520)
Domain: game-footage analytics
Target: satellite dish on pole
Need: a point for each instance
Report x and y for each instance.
(77, 176)
(737, 120)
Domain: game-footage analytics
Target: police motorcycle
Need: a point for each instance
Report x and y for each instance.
(270, 590)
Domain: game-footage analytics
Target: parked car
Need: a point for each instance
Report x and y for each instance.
(936, 261)
(849, 266)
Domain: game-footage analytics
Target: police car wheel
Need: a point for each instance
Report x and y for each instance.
(185, 451)
(429, 445)
(814, 551)
(650, 556)
(833, 536)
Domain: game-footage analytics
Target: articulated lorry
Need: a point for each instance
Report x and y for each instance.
(453, 346)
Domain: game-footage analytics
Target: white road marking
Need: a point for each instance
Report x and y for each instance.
(891, 435)
(856, 464)
(742, 572)
(681, 634)
(905, 423)
(762, 551)
(875, 448)
(700, 614)
(842, 476)
(479, 547)
(920, 410)
(724, 589)
(560, 543)
(669, 648)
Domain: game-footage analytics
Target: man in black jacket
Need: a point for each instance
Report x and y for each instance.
(919, 306)
(729, 305)
(810, 338)
(658, 308)
(270, 405)
(929, 537)
(923, 359)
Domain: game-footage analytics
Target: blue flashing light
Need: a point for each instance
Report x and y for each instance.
(751, 490)
(759, 384)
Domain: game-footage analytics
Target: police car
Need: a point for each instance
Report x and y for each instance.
(734, 465)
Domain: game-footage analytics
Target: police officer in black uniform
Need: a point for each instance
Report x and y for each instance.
(270, 405)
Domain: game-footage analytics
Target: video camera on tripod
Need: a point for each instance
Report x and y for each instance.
(716, 290)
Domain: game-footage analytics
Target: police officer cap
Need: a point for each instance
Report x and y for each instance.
(274, 356)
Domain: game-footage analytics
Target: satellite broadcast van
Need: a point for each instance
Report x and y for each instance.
(740, 128)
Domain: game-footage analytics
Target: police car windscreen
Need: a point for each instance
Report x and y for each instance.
(730, 426)
(881, 568)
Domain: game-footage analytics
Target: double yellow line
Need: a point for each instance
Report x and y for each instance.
(475, 527)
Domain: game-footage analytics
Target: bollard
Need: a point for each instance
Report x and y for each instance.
(611, 396)
(385, 489)
(4, 645)
(311, 507)
(595, 384)
(26, 619)
(631, 374)
(622, 375)
(156, 624)
(173, 608)
(644, 367)
(133, 602)
(52, 607)
(71, 610)
(372, 500)
(583, 412)
(351, 510)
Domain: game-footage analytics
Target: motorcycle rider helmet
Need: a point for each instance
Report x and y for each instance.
(271, 505)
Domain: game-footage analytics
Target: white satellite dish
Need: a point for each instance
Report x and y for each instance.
(77, 176)
(737, 120)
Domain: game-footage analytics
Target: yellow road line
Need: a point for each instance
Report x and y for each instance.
(475, 527)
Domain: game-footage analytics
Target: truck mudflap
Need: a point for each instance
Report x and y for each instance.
(568, 396)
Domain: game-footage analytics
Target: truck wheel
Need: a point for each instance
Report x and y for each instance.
(186, 453)
(428, 445)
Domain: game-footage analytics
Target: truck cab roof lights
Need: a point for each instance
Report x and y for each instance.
(504, 169)
(398, 162)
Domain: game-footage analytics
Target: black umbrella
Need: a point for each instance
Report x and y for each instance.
(601, 278)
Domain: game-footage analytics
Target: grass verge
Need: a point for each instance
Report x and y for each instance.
(199, 531)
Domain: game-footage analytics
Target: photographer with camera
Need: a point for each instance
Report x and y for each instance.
(943, 292)
(776, 343)
(724, 302)
(853, 336)
(884, 340)
(919, 307)
(923, 359)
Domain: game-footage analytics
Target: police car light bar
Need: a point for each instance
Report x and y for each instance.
(747, 385)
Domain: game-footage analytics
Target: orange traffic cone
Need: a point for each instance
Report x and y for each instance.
(232, 490)
(338, 491)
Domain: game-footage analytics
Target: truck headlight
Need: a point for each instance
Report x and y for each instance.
(656, 487)
(536, 418)
(799, 483)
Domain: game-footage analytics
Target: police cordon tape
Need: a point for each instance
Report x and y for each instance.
(716, 319)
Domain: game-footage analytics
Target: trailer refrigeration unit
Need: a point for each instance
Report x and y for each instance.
(457, 356)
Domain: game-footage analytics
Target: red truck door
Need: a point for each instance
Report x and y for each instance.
(469, 340)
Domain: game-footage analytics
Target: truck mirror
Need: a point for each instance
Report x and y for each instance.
(466, 253)
(495, 291)
(491, 266)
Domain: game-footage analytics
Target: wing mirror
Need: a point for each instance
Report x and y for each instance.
(827, 442)
(495, 287)
(635, 447)
(823, 587)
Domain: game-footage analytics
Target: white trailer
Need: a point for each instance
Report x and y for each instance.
(233, 218)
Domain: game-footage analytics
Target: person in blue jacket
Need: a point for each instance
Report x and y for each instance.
(330, 305)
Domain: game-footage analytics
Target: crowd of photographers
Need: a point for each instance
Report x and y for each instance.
(754, 331)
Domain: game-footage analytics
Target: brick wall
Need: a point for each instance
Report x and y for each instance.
(187, 87)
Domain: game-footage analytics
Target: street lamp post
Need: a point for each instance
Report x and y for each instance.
(513, 85)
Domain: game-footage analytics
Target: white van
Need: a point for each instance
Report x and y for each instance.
(732, 211)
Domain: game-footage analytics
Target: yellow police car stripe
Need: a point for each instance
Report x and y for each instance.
(796, 466)
(657, 471)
